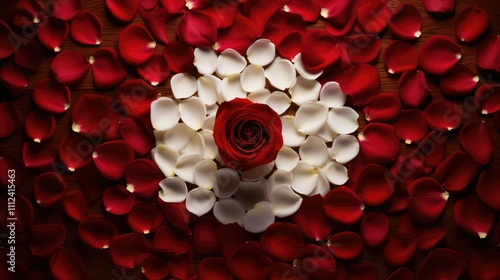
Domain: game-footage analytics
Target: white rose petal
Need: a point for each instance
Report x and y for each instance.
(177, 137)
(304, 90)
(304, 178)
(251, 193)
(164, 113)
(173, 190)
(209, 88)
(230, 62)
(205, 60)
(332, 95)
(228, 211)
(336, 173)
(301, 69)
(285, 202)
(280, 73)
(231, 88)
(183, 85)
(228, 181)
(259, 218)
(279, 102)
(166, 158)
(343, 120)
(310, 117)
(261, 52)
(291, 136)
(193, 112)
(314, 151)
(344, 148)
(184, 166)
(200, 201)
(287, 159)
(253, 78)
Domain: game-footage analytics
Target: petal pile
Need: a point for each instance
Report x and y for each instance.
(471, 24)
(86, 29)
(406, 22)
(487, 54)
(135, 44)
(400, 57)
(439, 54)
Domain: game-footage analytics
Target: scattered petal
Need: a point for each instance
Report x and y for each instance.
(378, 143)
(144, 217)
(284, 201)
(238, 36)
(385, 107)
(413, 88)
(231, 88)
(96, 231)
(14, 78)
(311, 218)
(164, 113)
(282, 241)
(214, 268)
(411, 125)
(440, 7)
(474, 216)
(88, 114)
(319, 49)
(155, 71)
(9, 43)
(374, 185)
(86, 29)
(11, 117)
(324, 263)
(69, 67)
(442, 263)
(476, 140)
(37, 156)
(123, 10)
(23, 213)
(135, 44)
(75, 205)
(487, 99)
(486, 187)
(156, 22)
(375, 228)
(281, 73)
(46, 239)
(197, 29)
(29, 55)
(363, 48)
(343, 205)
(143, 177)
(484, 265)
(230, 62)
(260, 217)
(67, 264)
(471, 24)
(261, 52)
(460, 81)
(124, 248)
(400, 57)
(345, 245)
(399, 249)
(199, 201)
(406, 22)
(291, 136)
(180, 57)
(439, 54)
(428, 199)
(229, 210)
(487, 53)
(52, 32)
(249, 262)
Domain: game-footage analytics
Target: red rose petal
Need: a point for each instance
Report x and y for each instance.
(8, 40)
(374, 185)
(319, 258)
(136, 96)
(148, 5)
(67, 264)
(123, 10)
(75, 151)
(90, 181)
(26, 13)
(171, 240)
(223, 12)
(52, 32)
(398, 202)
(346, 245)
(112, 157)
(86, 29)
(343, 205)
(155, 71)
(439, 54)
(117, 200)
(374, 228)
(308, 9)
(487, 56)
(135, 44)
(399, 249)
(413, 88)
(174, 6)
(260, 12)
(496, 121)
(385, 107)
(457, 171)
(476, 140)
(145, 217)
(29, 55)
(143, 177)
(46, 239)
(471, 24)
(373, 16)
(92, 115)
(154, 267)
(408, 169)
(442, 263)
(66, 9)
(484, 265)
(319, 49)
(336, 24)
(96, 231)
(353, 171)
(197, 29)
(474, 216)
(406, 22)
(14, 78)
(400, 57)
(443, 115)
(428, 199)
(289, 46)
(230, 237)
(107, 69)
(39, 126)
(311, 218)
(138, 133)
(49, 188)
(176, 214)
(402, 273)
(124, 248)
(180, 56)
(249, 262)
(11, 117)
(37, 156)
(282, 25)
(11, 162)
(409, 226)
(281, 270)
(362, 271)
(156, 22)
(378, 143)
(239, 36)
(75, 205)
(428, 237)
(205, 235)
(363, 48)
(487, 99)
(487, 186)
(69, 67)
(23, 213)
(430, 152)
(282, 241)
(439, 6)
(50, 96)
(214, 268)
(410, 126)
(181, 266)
(460, 81)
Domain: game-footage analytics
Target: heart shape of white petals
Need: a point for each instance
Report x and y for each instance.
(317, 143)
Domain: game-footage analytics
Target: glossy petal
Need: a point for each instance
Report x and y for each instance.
(143, 177)
(164, 113)
(471, 24)
(487, 54)
(96, 231)
(406, 22)
(319, 49)
(14, 78)
(52, 33)
(29, 55)
(438, 55)
(400, 57)
(487, 99)
(145, 217)
(135, 44)
(249, 262)
(460, 81)
(428, 199)
(345, 245)
(291, 136)
(180, 56)
(474, 216)
(86, 29)
(123, 10)
(282, 241)
(281, 73)
(375, 228)
(343, 205)
(378, 143)
(197, 29)
(440, 7)
(476, 140)
(384, 108)
(229, 210)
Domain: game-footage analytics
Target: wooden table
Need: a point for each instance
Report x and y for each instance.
(98, 263)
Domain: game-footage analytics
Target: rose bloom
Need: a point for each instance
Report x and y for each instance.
(247, 134)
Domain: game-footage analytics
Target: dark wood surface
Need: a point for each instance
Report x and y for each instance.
(97, 261)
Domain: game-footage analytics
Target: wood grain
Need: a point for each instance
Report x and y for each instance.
(98, 263)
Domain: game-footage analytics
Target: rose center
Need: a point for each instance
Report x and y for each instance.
(250, 136)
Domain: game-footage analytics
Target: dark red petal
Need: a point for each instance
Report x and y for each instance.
(385, 107)
(117, 200)
(8, 41)
(123, 10)
(49, 188)
(379, 144)
(11, 118)
(112, 157)
(143, 177)
(138, 133)
(429, 236)
(11, 162)
(318, 257)
(239, 36)
(39, 126)
(96, 231)
(154, 267)
(124, 248)
(205, 235)
(181, 266)
(487, 99)
(282, 25)
(484, 265)
(409, 226)
(362, 271)
(487, 56)
(155, 71)
(282, 241)
(319, 49)
(428, 199)
(336, 25)
(406, 22)
(281, 270)
(37, 156)
(375, 228)
(135, 44)
(471, 24)
(23, 213)
(363, 48)
(180, 56)
(400, 57)
(86, 29)
(50, 96)
(107, 69)
(398, 202)
(439, 6)
(230, 237)
(145, 217)
(136, 96)
(29, 55)
(399, 249)
(67, 264)
(343, 205)
(14, 78)
(487, 186)
(443, 115)
(223, 12)
(92, 115)
(311, 218)
(375, 186)
(460, 81)
(308, 9)
(402, 273)
(90, 181)
(176, 214)
(75, 151)
(260, 12)
(214, 268)
(52, 32)
(66, 9)
(457, 171)
(197, 29)
(156, 22)
(442, 263)
(413, 88)
(148, 5)
(26, 13)
(249, 262)
(410, 126)
(289, 46)
(346, 245)
(373, 16)
(432, 149)
(439, 54)
(353, 170)
(476, 140)
(171, 240)
(46, 239)
(75, 205)
(496, 121)
(174, 6)
(474, 216)
(69, 67)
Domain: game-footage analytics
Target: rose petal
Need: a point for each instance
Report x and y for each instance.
(363, 48)
(343, 120)
(486, 187)
(192, 112)
(197, 29)
(460, 81)
(229, 210)
(343, 205)
(90, 181)
(75, 151)
(324, 263)
(118, 200)
(476, 140)
(156, 22)
(164, 113)
(438, 55)
(261, 52)
(86, 29)
(399, 249)
(345, 245)
(107, 69)
(29, 55)
(9, 42)
(304, 90)
(96, 231)
(487, 54)
(123, 10)
(474, 216)
(314, 151)
(362, 271)
(400, 57)
(319, 49)
(155, 71)
(230, 62)
(231, 88)
(52, 32)
(37, 156)
(39, 126)
(66, 263)
(456, 171)
(88, 113)
(238, 36)
(260, 12)
(291, 136)
(75, 205)
(112, 157)
(428, 237)
(135, 44)
(12, 118)
(181, 266)
(124, 248)
(205, 235)
(176, 214)
(282, 241)
(304, 178)
(311, 218)
(406, 22)
(374, 187)
(281, 73)
(439, 7)
(143, 177)
(373, 16)
(374, 228)
(260, 217)
(8, 162)
(378, 143)
(252, 78)
(214, 268)
(223, 12)
(46, 239)
(180, 56)
(284, 201)
(286, 159)
(154, 267)
(484, 265)
(144, 217)
(199, 201)
(337, 24)
(278, 101)
(443, 115)
(384, 108)
(289, 48)
(14, 78)
(471, 24)
(138, 134)
(23, 213)
(249, 262)
(442, 263)
(411, 126)
(69, 67)
(308, 9)
(413, 88)
(487, 99)
(428, 199)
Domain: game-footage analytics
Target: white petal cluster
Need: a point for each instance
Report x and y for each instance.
(316, 137)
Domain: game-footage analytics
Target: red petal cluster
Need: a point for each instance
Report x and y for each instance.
(51, 96)
(319, 49)
(457, 171)
(443, 115)
(143, 177)
(249, 262)
(67, 264)
(145, 217)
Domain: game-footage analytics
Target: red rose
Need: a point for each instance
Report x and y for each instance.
(247, 134)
